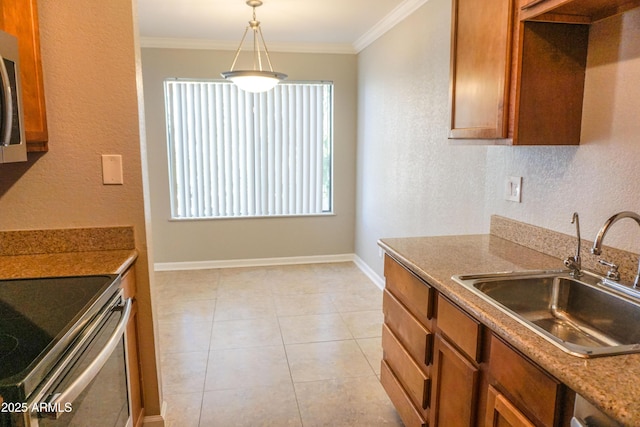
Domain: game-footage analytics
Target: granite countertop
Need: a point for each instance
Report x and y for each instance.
(610, 383)
(66, 252)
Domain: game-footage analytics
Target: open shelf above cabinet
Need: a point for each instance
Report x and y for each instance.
(573, 11)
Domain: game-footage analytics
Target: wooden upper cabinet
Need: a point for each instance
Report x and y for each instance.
(514, 81)
(480, 68)
(20, 18)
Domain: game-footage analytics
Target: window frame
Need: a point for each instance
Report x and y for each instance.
(329, 134)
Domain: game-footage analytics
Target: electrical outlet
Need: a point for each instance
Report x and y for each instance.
(513, 189)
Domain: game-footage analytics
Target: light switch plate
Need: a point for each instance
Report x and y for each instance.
(513, 189)
(112, 169)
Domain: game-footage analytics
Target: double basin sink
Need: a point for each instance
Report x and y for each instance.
(579, 315)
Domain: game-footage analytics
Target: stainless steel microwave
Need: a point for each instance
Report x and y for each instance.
(13, 146)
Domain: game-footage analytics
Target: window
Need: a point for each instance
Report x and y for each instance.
(237, 154)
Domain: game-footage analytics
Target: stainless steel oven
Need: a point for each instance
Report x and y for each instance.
(88, 387)
(67, 363)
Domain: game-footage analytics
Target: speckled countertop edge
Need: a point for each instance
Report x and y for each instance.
(66, 264)
(66, 252)
(611, 383)
(66, 240)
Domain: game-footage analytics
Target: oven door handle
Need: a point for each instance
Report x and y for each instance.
(7, 122)
(60, 399)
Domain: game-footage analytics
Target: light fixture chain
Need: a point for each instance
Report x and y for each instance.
(257, 57)
(235, 58)
(266, 51)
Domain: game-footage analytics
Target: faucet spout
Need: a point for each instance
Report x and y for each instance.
(597, 243)
(574, 263)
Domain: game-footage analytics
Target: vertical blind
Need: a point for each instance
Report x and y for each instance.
(238, 154)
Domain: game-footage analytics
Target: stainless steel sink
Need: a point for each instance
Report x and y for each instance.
(580, 316)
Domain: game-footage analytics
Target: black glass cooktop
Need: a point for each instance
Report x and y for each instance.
(36, 317)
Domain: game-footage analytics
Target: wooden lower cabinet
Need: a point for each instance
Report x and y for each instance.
(407, 343)
(442, 367)
(502, 413)
(128, 284)
(455, 384)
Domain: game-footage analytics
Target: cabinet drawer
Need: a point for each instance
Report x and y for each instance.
(415, 294)
(417, 339)
(409, 414)
(530, 388)
(459, 327)
(414, 381)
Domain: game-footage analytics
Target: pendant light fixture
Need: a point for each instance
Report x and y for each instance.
(257, 79)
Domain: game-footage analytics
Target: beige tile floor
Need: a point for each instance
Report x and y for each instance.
(272, 346)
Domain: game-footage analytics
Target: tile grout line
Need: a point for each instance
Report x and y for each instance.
(206, 369)
(293, 384)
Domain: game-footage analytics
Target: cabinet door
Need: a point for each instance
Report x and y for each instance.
(455, 381)
(20, 18)
(480, 68)
(502, 413)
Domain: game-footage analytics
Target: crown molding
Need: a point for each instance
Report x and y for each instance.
(397, 15)
(176, 43)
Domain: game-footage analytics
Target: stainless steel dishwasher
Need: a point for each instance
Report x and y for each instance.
(587, 415)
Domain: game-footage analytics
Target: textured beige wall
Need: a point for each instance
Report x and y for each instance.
(229, 239)
(432, 188)
(89, 64)
(411, 181)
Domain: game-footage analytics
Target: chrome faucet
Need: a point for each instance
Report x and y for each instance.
(574, 263)
(597, 244)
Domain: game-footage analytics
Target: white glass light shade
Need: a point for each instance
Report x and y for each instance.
(254, 81)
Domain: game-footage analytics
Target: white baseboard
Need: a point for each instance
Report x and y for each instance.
(261, 262)
(371, 274)
(256, 262)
